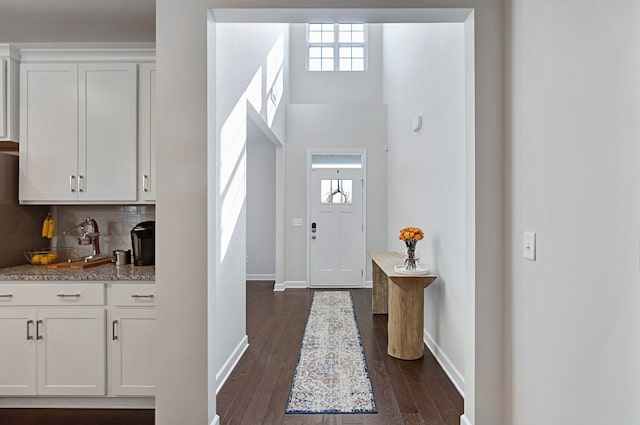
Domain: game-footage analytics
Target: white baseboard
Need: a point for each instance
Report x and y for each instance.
(464, 420)
(261, 277)
(78, 402)
(290, 284)
(215, 421)
(449, 368)
(230, 364)
(302, 284)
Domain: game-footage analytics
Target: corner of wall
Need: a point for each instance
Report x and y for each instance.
(464, 420)
(447, 365)
(225, 371)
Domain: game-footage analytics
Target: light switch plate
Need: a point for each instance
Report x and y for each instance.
(529, 246)
(297, 222)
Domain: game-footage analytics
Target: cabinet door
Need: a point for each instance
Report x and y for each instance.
(17, 352)
(48, 132)
(107, 154)
(3, 98)
(71, 352)
(147, 134)
(133, 351)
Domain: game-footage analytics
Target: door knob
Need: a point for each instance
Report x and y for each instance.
(313, 236)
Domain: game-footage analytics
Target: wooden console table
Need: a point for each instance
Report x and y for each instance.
(401, 296)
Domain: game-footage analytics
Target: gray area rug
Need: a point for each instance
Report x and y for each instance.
(331, 375)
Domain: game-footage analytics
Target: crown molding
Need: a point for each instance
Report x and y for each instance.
(122, 52)
(9, 50)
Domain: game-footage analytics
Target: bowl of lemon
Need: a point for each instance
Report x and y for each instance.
(46, 256)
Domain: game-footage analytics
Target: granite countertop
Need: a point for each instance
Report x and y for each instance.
(107, 272)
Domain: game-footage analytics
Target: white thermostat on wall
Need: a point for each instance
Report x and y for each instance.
(529, 246)
(417, 123)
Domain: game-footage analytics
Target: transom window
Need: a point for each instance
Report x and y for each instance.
(336, 47)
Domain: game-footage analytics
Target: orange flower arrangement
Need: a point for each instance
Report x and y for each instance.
(411, 236)
(409, 233)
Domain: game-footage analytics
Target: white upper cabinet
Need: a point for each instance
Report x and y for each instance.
(8, 93)
(107, 148)
(78, 132)
(49, 129)
(146, 133)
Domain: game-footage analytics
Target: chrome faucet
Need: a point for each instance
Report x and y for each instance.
(89, 235)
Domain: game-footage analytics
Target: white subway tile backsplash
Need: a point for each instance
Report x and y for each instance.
(114, 222)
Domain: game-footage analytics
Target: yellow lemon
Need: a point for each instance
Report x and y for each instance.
(36, 259)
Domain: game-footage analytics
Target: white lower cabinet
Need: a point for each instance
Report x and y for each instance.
(55, 351)
(71, 352)
(133, 339)
(77, 339)
(17, 352)
(133, 336)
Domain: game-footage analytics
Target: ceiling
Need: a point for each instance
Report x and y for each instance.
(77, 21)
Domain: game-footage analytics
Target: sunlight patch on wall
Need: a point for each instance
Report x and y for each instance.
(275, 79)
(254, 91)
(233, 138)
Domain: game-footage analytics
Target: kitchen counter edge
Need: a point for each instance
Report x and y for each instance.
(107, 273)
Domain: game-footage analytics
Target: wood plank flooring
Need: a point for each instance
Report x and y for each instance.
(415, 392)
(406, 392)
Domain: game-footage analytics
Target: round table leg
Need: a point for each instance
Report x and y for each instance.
(406, 322)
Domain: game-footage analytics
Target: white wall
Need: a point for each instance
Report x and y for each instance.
(424, 74)
(336, 87)
(185, 316)
(573, 314)
(261, 204)
(333, 126)
(248, 59)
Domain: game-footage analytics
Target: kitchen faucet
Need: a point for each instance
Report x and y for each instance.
(89, 235)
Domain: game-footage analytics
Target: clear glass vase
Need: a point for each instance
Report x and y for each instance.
(411, 258)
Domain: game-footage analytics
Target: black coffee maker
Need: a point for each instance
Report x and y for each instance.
(143, 240)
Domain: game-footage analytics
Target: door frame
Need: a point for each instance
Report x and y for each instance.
(338, 151)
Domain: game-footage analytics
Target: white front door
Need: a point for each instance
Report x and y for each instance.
(336, 231)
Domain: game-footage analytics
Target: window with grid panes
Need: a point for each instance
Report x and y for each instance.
(336, 47)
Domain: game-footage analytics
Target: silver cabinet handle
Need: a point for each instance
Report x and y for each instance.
(6, 295)
(142, 296)
(29, 336)
(72, 183)
(80, 183)
(38, 323)
(114, 337)
(145, 181)
(68, 295)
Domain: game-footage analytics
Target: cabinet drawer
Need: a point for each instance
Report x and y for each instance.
(133, 295)
(52, 294)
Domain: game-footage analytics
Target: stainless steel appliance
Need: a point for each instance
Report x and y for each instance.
(121, 257)
(143, 240)
(89, 235)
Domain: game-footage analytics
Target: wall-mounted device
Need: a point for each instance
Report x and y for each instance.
(417, 123)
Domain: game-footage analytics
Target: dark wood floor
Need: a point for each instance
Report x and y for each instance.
(406, 392)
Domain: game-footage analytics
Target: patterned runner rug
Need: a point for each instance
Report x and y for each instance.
(331, 375)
